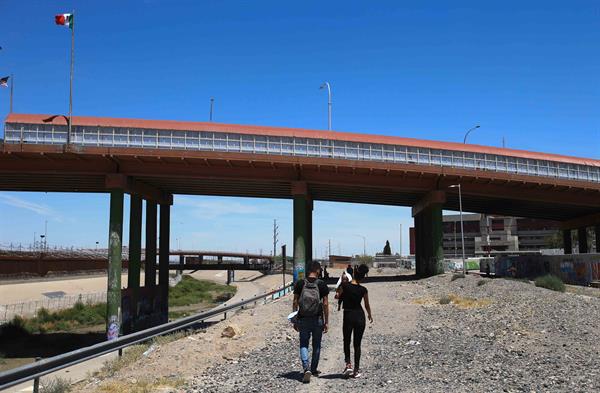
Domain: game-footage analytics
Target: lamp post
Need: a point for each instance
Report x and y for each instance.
(67, 119)
(468, 132)
(462, 228)
(324, 85)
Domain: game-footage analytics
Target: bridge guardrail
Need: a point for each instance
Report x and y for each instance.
(46, 366)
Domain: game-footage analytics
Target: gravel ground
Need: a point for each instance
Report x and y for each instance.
(500, 336)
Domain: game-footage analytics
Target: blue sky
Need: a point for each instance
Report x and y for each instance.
(527, 72)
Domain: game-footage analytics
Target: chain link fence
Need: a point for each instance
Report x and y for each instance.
(29, 309)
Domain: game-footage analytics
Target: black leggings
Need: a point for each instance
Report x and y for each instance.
(354, 320)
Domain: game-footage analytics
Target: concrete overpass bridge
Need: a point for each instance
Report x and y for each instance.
(152, 160)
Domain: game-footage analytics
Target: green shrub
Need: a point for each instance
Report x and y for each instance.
(550, 282)
(456, 276)
(482, 282)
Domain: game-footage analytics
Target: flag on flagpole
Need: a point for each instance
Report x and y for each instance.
(64, 20)
(4, 81)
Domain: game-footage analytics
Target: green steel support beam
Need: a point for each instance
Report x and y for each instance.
(300, 236)
(151, 227)
(583, 240)
(567, 242)
(163, 258)
(113, 292)
(135, 242)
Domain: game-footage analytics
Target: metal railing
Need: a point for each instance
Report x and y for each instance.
(46, 366)
(20, 133)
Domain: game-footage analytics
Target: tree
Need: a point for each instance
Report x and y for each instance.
(387, 250)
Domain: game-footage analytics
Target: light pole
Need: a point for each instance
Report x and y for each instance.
(462, 228)
(468, 132)
(324, 85)
(364, 244)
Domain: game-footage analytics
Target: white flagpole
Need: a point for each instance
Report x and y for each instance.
(71, 77)
(12, 84)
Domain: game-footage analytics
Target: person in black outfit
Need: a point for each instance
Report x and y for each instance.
(352, 293)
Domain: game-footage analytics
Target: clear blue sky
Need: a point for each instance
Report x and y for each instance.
(526, 71)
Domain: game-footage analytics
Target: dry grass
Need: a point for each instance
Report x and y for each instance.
(468, 302)
(144, 386)
(130, 355)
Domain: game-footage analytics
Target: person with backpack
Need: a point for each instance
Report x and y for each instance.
(352, 294)
(310, 300)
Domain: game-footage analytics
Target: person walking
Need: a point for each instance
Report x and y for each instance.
(352, 293)
(310, 300)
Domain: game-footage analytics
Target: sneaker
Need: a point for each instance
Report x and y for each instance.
(316, 373)
(356, 374)
(306, 377)
(348, 371)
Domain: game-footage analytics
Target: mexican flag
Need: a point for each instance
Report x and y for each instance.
(64, 20)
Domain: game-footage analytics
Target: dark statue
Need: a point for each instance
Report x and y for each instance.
(387, 250)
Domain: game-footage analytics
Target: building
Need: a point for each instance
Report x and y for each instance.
(491, 233)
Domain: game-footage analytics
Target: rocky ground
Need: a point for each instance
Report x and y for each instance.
(492, 335)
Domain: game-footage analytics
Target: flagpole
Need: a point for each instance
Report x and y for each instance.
(12, 85)
(71, 77)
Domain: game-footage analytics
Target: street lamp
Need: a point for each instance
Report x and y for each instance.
(364, 244)
(462, 228)
(468, 132)
(324, 85)
(67, 119)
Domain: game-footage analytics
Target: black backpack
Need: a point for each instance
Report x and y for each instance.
(309, 304)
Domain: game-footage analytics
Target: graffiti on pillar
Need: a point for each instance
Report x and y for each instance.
(113, 328)
(298, 273)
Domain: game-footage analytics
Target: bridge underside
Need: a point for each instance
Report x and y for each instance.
(154, 176)
(48, 168)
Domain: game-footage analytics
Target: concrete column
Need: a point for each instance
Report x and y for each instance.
(429, 241)
(597, 230)
(135, 242)
(163, 258)
(113, 292)
(567, 242)
(429, 250)
(302, 229)
(300, 233)
(309, 231)
(583, 240)
(150, 263)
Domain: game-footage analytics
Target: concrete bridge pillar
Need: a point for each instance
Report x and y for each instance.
(429, 251)
(150, 261)
(302, 229)
(163, 258)
(567, 242)
(115, 249)
(582, 240)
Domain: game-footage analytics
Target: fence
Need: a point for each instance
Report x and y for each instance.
(24, 309)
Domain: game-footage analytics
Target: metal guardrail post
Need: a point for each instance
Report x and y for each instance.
(36, 381)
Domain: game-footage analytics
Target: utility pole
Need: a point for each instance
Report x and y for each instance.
(275, 237)
(210, 115)
(329, 247)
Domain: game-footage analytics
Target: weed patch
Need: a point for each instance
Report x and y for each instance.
(55, 385)
(456, 276)
(482, 282)
(550, 282)
(464, 302)
(192, 291)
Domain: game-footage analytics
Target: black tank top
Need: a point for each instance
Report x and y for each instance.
(352, 295)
